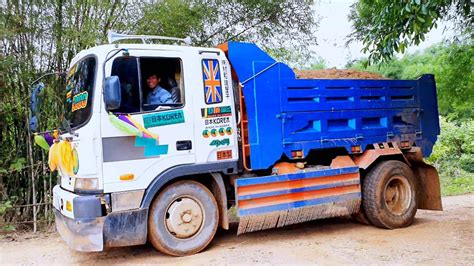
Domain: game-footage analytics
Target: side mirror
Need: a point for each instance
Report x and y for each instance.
(112, 93)
(34, 106)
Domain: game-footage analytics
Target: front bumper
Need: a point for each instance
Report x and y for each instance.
(85, 228)
(81, 234)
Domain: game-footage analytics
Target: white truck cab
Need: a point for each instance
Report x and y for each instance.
(113, 170)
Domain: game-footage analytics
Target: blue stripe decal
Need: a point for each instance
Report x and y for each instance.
(296, 176)
(298, 204)
(295, 190)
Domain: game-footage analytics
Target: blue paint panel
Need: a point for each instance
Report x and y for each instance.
(145, 142)
(296, 190)
(294, 176)
(151, 146)
(285, 113)
(298, 204)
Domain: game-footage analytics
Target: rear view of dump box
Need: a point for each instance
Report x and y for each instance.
(286, 114)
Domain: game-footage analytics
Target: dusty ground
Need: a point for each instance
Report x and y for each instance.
(435, 238)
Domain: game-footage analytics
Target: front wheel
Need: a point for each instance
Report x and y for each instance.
(389, 195)
(183, 219)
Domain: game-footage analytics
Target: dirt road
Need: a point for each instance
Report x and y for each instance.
(435, 238)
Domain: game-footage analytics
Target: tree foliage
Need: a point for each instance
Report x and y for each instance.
(277, 26)
(453, 156)
(386, 26)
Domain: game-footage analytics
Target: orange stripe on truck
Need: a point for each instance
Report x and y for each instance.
(292, 184)
(299, 196)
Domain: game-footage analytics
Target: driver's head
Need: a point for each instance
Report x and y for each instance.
(153, 80)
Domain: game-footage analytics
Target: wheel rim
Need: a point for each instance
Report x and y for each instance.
(184, 217)
(397, 194)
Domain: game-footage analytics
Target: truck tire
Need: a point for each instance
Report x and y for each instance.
(183, 219)
(389, 195)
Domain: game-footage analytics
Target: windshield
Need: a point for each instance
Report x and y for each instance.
(79, 90)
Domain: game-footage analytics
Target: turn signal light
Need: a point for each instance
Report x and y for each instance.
(127, 177)
(297, 154)
(356, 149)
(68, 205)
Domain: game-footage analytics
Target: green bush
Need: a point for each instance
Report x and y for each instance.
(453, 156)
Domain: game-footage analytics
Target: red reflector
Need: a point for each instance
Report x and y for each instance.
(297, 154)
(405, 144)
(223, 155)
(356, 149)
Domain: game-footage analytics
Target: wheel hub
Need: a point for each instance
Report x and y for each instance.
(397, 194)
(184, 217)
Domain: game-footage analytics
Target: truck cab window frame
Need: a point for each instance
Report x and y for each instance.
(80, 84)
(170, 70)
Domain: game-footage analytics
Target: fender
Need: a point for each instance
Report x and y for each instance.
(429, 193)
(383, 149)
(185, 170)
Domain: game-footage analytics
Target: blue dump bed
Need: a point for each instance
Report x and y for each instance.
(287, 114)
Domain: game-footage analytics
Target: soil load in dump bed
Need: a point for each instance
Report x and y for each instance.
(334, 73)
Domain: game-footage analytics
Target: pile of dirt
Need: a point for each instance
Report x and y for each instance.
(334, 73)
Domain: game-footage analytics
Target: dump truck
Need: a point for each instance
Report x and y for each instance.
(240, 131)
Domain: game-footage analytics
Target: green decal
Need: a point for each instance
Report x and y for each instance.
(163, 119)
(218, 143)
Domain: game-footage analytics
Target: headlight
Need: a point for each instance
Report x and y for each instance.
(86, 184)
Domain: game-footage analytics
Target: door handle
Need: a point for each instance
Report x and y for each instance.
(183, 145)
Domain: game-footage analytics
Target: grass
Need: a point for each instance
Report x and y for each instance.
(457, 185)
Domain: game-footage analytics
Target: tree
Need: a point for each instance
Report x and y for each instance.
(40, 37)
(284, 28)
(386, 27)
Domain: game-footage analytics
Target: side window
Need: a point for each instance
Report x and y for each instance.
(162, 83)
(80, 89)
(126, 68)
(212, 81)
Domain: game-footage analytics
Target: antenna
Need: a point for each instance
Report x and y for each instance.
(114, 36)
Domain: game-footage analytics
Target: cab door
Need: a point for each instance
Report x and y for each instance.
(215, 117)
(140, 144)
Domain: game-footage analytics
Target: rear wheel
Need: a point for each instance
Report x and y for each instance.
(183, 219)
(389, 195)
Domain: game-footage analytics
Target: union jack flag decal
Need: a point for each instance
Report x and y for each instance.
(212, 81)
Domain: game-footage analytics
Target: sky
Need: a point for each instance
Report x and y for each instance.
(334, 27)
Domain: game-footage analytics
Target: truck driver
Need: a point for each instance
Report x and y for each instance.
(158, 94)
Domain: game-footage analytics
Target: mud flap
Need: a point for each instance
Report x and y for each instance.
(429, 189)
(280, 200)
(429, 192)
